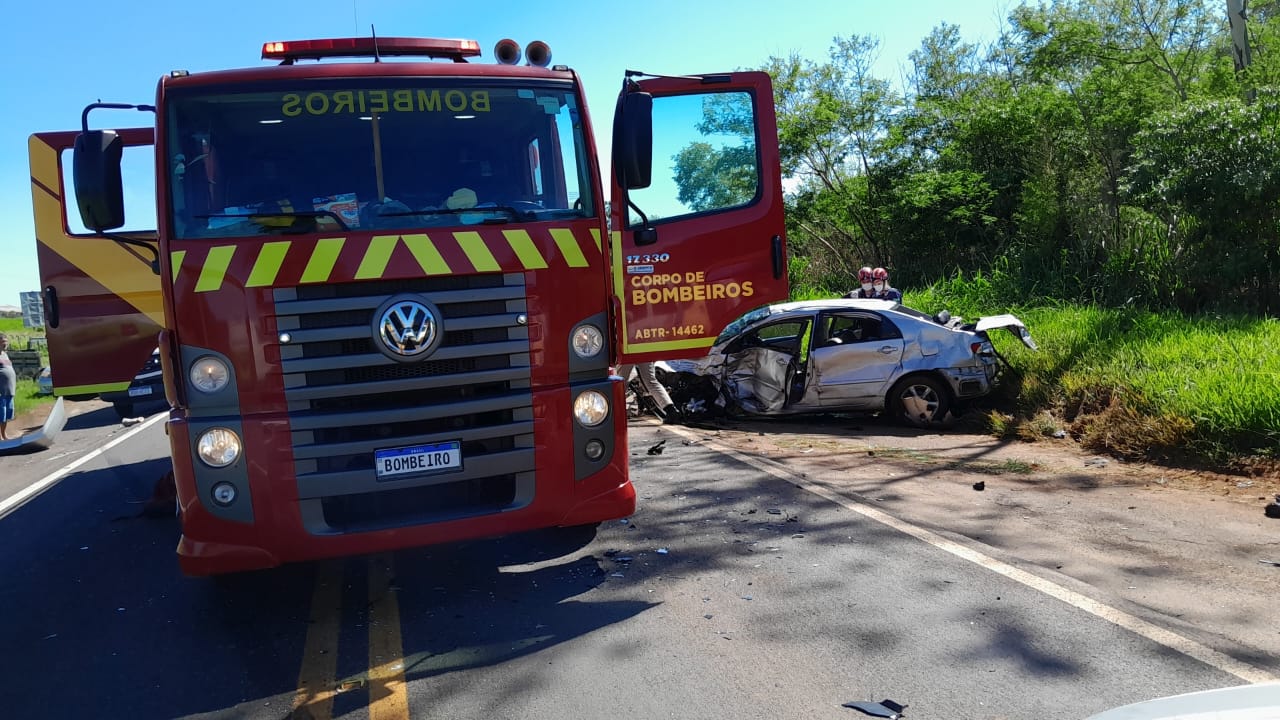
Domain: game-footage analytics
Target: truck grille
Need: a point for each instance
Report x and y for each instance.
(347, 400)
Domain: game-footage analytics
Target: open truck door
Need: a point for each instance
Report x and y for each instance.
(102, 297)
(697, 222)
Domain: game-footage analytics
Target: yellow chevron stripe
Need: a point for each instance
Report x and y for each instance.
(323, 258)
(477, 252)
(525, 249)
(215, 268)
(569, 247)
(44, 165)
(376, 257)
(425, 252)
(175, 262)
(267, 266)
(595, 235)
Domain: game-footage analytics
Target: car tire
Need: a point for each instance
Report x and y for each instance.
(123, 409)
(919, 401)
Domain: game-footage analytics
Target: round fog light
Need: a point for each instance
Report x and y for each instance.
(587, 341)
(590, 408)
(218, 447)
(224, 494)
(594, 449)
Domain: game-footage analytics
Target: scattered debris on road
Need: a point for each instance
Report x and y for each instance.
(885, 708)
(663, 551)
(657, 448)
(1273, 563)
(1272, 510)
(1096, 462)
(980, 485)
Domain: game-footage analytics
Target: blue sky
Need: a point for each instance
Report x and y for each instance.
(58, 58)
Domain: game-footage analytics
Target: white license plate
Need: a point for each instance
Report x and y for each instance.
(436, 458)
(140, 391)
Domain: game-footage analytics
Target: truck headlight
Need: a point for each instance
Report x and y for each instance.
(209, 374)
(590, 408)
(218, 447)
(588, 341)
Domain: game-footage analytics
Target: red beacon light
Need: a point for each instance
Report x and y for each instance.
(289, 51)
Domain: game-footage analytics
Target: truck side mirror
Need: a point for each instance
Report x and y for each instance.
(633, 141)
(96, 174)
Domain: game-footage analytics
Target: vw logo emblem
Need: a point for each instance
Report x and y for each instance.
(407, 328)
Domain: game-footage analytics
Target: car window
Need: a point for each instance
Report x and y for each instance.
(784, 335)
(858, 328)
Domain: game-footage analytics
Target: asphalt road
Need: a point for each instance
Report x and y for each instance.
(735, 591)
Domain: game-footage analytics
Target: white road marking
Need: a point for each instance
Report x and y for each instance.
(20, 498)
(1132, 623)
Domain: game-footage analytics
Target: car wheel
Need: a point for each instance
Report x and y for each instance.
(123, 409)
(919, 400)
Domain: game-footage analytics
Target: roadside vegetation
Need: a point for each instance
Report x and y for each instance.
(1107, 170)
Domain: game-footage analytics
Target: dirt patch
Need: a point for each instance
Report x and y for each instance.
(1044, 464)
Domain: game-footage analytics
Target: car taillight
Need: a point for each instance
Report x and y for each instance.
(975, 348)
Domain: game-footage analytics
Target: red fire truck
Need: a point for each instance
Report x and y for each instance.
(385, 288)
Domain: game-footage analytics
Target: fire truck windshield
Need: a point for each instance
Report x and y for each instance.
(347, 155)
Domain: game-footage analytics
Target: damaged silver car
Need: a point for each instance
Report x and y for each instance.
(853, 356)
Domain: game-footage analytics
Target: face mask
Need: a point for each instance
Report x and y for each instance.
(866, 286)
(879, 287)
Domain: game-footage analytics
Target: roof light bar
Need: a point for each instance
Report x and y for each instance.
(291, 50)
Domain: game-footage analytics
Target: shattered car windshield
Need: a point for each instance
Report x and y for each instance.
(741, 323)
(384, 154)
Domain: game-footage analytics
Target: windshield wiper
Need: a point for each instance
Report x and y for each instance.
(259, 217)
(512, 212)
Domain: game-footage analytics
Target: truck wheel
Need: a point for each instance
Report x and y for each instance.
(919, 400)
(123, 409)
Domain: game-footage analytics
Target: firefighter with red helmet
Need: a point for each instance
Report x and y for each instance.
(880, 287)
(865, 281)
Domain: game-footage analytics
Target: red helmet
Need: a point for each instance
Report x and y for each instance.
(880, 274)
(864, 275)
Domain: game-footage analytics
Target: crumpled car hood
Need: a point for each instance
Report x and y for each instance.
(1010, 323)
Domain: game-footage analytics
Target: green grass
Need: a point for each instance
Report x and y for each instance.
(1142, 383)
(25, 397)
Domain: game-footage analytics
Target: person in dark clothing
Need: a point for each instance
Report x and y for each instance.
(865, 281)
(881, 288)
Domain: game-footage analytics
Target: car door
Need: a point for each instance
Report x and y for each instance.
(703, 240)
(102, 300)
(855, 357)
(761, 364)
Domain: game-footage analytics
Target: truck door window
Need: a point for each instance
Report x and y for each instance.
(138, 172)
(704, 157)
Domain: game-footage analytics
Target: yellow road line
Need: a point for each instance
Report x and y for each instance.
(388, 696)
(316, 684)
